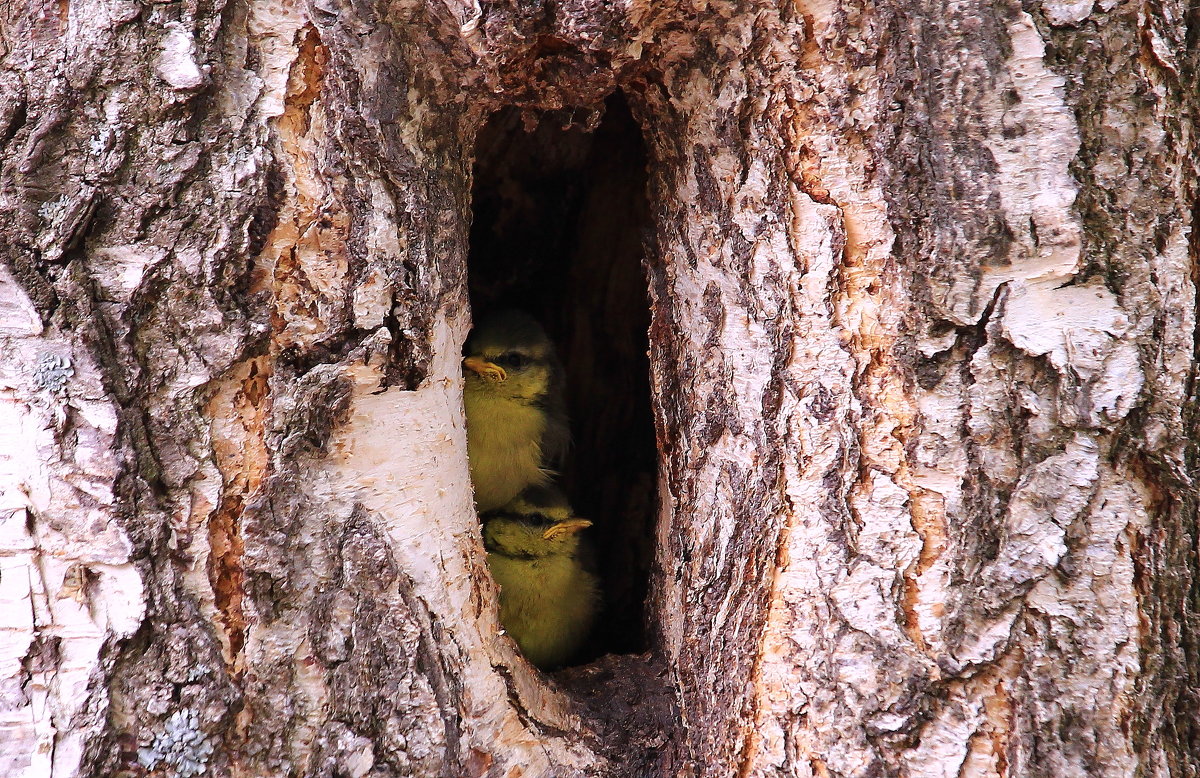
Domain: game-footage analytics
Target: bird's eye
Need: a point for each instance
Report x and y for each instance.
(512, 359)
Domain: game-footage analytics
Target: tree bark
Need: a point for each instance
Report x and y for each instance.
(923, 346)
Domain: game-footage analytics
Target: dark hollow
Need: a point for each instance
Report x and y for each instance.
(561, 229)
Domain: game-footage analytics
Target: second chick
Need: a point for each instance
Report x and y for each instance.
(547, 599)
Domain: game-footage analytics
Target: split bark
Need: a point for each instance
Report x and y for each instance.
(923, 304)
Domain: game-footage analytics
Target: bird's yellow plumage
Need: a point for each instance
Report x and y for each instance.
(516, 434)
(504, 446)
(547, 599)
(516, 423)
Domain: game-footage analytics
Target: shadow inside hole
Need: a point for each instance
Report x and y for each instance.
(560, 224)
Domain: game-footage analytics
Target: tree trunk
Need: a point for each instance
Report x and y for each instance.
(923, 344)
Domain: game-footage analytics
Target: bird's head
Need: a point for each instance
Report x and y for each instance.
(545, 503)
(528, 536)
(509, 355)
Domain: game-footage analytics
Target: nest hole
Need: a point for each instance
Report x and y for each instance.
(561, 229)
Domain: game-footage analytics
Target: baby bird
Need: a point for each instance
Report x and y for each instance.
(516, 418)
(547, 598)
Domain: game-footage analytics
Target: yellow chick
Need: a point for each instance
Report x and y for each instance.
(517, 428)
(547, 599)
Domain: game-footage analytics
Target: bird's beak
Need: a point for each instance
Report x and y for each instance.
(565, 528)
(488, 370)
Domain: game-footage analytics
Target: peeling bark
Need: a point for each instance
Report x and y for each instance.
(923, 347)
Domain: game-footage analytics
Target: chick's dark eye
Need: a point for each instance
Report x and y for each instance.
(513, 360)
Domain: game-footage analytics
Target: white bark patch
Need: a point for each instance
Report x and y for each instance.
(1081, 330)
(191, 527)
(939, 468)
(273, 27)
(176, 63)
(944, 745)
(886, 535)
(887, 546)
(1094, 625)
(1033, 142)
(402, 456)
(1044, 505)
(1064, 12)
(799, 600)
(1160, 48)
(66, 582)
(829, 601)
(742, 340)
(18, 317)
(372, 300)
(1033, 138)
(119, 270)
(1174, 360)
(1074, 326)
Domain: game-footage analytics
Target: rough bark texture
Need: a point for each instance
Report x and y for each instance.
(923, 369)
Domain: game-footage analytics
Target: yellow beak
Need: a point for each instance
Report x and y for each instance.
(488, 370)
(563, 527)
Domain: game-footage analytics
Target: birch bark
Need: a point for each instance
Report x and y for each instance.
(923, 364)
